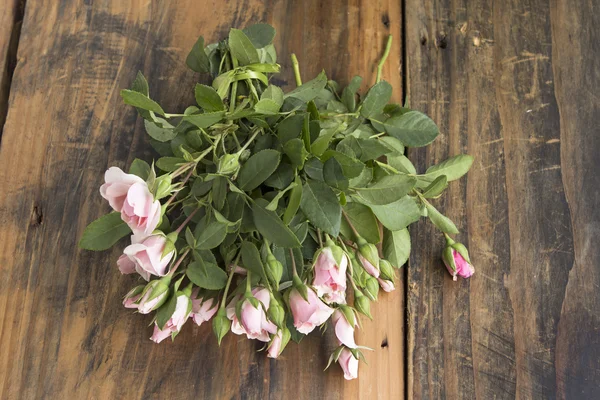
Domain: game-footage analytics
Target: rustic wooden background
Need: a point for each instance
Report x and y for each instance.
(514, 83)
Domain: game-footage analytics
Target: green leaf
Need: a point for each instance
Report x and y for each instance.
(363, 220)
(169, 164)
(351, 166)
(399, 214)
(140, 84)
(197, 60)
(209, 234)
(349, 93)
(296, 152)
(208, 98)
(104, 232)
(294, 202)
(290, 128)
(267, 106)
(372, 149)
(206, 119)
(436, 187)
(164, 313)
(161, 131)
(377, 97)
(319, 146)
(402, 164)
(260, 35)
(396, 246)
(365, 177)
(282, 177)
(140, 100)
(272, 228)
(321, 206)
(206, 275)
(454, 167)
(387, 190)
(242, 48)
(314, 169)
(394, 144)
(274, 93)
(251, 259)
(334, 175)
(443, 223)
(414, 129)
(140, 168)
(309, 90)
(258, 168)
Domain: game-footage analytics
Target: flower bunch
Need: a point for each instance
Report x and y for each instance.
(271, 213)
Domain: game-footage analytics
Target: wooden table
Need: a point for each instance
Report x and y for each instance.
(514, 83)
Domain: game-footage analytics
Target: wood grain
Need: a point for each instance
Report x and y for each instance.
(11, 14)
(508, 82)
(63, 331)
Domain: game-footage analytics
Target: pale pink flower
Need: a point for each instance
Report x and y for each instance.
(308, 314)
(175, 323)
(330, 278)
(344, 331)
(145, 258)
(117, 184)
(349, 364)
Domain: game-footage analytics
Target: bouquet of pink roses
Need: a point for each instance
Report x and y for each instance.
(266, 211)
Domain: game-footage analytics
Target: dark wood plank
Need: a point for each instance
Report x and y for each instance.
(509, 82)
(11, 17)
(64, 329)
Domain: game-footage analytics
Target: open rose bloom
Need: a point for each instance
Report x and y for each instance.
(308, 314)
(129, 195)
(146, 258)
(253, 321)
(203, 309)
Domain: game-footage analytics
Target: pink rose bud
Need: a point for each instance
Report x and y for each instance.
(387, 286)
(146, 258)
(203, 310)
(117, 184)
(349, 364)
(131, 298)
(278, 343)
(308, 314)
(344, 329)
(183, 309)
(154, 295)
(330, 274)
(456, 258)
(368, 257)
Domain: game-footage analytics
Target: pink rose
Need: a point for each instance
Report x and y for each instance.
(275, 347)
(254, 322)
(153, 296)
(456, 259)
(344, 331)
(386, 285)
(140, 211)
(183, 309)
(308, 314)
(117, 184)
(349, 364)
(131, 298)
(202, 310)
(368, 266)
(330, 277)
(145, 258)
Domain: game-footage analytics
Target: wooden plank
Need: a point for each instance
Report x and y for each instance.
(509, 83)
(67, 333)
(11, 15)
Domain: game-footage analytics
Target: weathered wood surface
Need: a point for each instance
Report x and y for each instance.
(513, 83)
(63, 331)
(11, 12)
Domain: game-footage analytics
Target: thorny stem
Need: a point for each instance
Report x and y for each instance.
(178, 263)
(350, 223)
(182, 183)
(386, 53)
(296, 67)
(185, 222)
(249, 140)
(319, 236)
